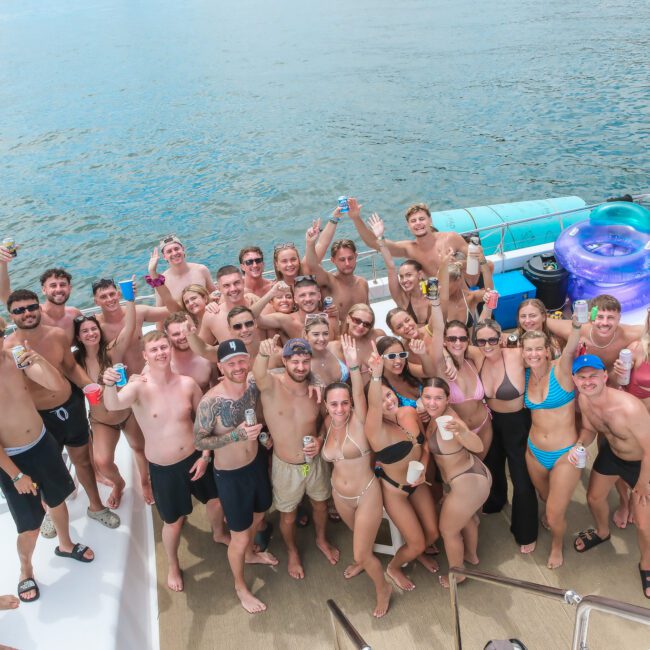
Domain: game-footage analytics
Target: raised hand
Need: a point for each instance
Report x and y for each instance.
(313, 231)
(5, 255)
(349, 347)
(110, 377)
(417, 347)
(446, 256)
(153, 263)
(189, 327)
(451, 372)
(375, 362)
(267, 347)
(376, 224)
(354, 208)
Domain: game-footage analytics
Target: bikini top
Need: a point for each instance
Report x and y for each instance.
(347, 437)
(402, 400)
(411, 312)
(506, 390)
(434, 446)
(556, 397)
(639, 385)
(456, 395)
(399, 450)
(345, 372)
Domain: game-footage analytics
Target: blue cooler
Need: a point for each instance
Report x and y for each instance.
(513, 287)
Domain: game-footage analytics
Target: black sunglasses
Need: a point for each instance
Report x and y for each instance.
(21, 310)
(247, 324)
(253, 260)
(81, 318)
(493, 340)
(300, 278)
(460, 339)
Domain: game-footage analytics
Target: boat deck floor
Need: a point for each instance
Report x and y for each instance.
(208, 615)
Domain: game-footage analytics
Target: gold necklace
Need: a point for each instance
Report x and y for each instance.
(600, 347)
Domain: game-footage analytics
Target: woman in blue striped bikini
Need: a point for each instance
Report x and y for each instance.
(550, 397)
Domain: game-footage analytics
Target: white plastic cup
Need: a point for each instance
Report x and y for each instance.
(441, 422)
(414, 471)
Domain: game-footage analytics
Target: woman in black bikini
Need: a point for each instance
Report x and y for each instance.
(355, 489)
(94, 354)
(467, 477)
(395, 436)
(503, 377)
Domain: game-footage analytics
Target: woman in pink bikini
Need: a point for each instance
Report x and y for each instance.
(639, 385)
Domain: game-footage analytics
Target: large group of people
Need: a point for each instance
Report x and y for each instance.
(250, 394)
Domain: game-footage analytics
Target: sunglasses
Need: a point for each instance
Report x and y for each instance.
(103, 284)
(300, 278)
(81, 318)
(396, 355)
(247, 324)
(319, 315)
(460, 339)
(493, 340)
(359, 321)
(279, 247)
(253, 260)
(21, 310)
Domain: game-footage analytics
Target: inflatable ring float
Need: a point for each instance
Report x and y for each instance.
(613, 246)
(632, 295)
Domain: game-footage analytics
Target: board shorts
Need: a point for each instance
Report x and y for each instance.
(173, 488)
(68, 423)
(291, 483)
(44, 464)
(609, 464)
(244, 491)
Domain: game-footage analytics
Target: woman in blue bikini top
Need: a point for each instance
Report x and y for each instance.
(550, 397)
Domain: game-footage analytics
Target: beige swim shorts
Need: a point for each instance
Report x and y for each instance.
(290, 483)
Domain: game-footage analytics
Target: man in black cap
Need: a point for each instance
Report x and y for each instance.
(240, 464)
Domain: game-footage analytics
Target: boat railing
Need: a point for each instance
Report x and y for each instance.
(500, 228)
(585, 605)
(342, 625)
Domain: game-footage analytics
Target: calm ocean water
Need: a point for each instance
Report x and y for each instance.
(232, 123)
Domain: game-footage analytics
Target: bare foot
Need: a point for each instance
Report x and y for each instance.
(399, 579)
(428, 563)
(330, 552)
(294, 566)
(544, 522)
(432, 549)
(251, 604)
(11, 602)
(100, 478)
(471, 558)
(621, 516)
(175, 579)
(555, 559)
(262, 558)
(221, 537)
(630, 519)
(383, 600)
(444, 581)
(115, 497)
(352, 570)
(147, 493)
(527, 548)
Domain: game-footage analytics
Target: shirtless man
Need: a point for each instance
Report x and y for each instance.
(428, 242)
(164, 405)
(290, 414)
(181, 273)
(346, 288)
(31, 467)
(56, 286)
(251, 263)
(184, 360)
(113, 317)
(63, 410)
(240, 465)
(230, 282)
(625, 423)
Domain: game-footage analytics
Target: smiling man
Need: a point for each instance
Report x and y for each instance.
(624, 453)
(251, 263)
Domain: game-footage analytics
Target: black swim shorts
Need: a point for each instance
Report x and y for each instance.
(609, 464)
(173, 488)
(43, 463)
(244, 491)
(68, 423)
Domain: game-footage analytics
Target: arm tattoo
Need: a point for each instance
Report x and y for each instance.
(228, 412)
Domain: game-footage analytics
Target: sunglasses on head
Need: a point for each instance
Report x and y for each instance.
(247, 324)
(253, 260)
(460, 339)
(318, 316)
(21, 310)
(279, 247)
(300, 278)
(493, 340)
(81, 318)
(396, 355)
(359, 321)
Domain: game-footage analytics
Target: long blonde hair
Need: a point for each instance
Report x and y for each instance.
(645, 337)
(360, 306)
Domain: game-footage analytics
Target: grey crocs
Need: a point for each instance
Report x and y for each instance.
(47, 527)
(105, 517)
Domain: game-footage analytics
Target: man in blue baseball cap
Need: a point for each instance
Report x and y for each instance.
(624, 424)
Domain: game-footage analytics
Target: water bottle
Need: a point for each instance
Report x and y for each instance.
(625, 359)
(472, 262)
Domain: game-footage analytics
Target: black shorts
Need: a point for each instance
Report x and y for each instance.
(244, 491)
(173, 488)
(43, 463)
(68, 423)
(609, 464)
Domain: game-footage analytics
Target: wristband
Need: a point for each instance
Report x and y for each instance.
(576, 328)
(335, 220)
(155, 282)
(266, 356)
(353, 368)
(206, 459)
(373, 378)
(17, 478)
(382, 238)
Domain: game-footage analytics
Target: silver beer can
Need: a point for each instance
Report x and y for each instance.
(249, 417)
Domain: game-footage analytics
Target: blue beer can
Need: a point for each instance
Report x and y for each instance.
(121, 369)
(343, 204)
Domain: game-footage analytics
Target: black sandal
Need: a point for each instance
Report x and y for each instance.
(263, 537)
(589, 540)
(29, 584)
(77, 553)
(645, 580)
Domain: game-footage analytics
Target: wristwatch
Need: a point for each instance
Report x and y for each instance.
(17, 478)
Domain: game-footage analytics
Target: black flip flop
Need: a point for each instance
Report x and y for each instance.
(29, 584)
(302, 517)
(645, 580)
(263, 537)
(589, 540)
(77, 553)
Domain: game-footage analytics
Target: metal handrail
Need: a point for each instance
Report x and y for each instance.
(567, 596)
(339, 619)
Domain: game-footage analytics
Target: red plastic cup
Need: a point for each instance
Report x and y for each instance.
(93, 393)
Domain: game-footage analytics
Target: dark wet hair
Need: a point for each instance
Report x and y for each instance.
(333, 386)
(20, 294)
(81, 354)
(59, 274)
(382, 345)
